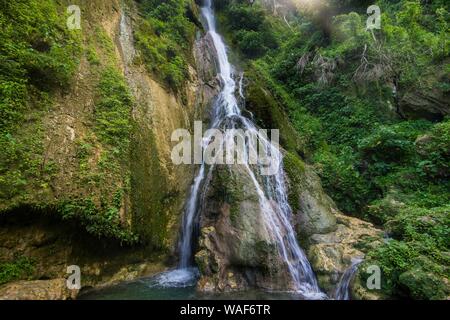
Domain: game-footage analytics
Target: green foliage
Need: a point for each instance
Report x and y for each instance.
(435, 154)
(250, 28)
(22, 163)
(20, 268)
(417, 259)
(113, 111)
(392, 143)
(343, 181)
(37, 55)
(342, 117)
(103, 221)
(35, 49)
(114, 128)
(164, 39)
(251, 43)
(416, 43)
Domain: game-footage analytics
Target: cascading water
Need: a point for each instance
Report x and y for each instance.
(342, 289)
(271, 190)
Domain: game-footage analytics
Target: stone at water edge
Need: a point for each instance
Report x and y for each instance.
(55, 289)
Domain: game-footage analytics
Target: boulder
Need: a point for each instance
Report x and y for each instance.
(55, 289)
(425, 285)
(236, 251)
(331, 254)
(431, 105)
(312, 208)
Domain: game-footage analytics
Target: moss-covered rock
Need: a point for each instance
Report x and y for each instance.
(270, 113)
(234, 238)
(313, 209)
(425, 285)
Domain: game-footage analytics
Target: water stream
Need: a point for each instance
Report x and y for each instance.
(342, 289)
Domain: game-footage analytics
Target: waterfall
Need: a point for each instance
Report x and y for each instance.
(342, 289)
(271, 190)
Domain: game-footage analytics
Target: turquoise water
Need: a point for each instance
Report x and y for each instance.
(149, 289)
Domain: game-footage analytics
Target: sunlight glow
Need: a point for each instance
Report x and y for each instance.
(309, 4)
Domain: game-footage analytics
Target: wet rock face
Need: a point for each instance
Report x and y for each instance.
(313, 209)
(235, 250)
(206, 59)
(205, 85)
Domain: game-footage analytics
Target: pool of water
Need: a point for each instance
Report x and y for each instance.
(176, 285)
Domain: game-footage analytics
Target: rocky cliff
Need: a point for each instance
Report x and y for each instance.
(133, 195)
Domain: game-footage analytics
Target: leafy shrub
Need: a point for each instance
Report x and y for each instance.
(20, 268)
(246, 17)
(164, 39)
(249, 28)
(251, 43)
(389, 147)
(98, 221)
(435, 154)
(343, 181)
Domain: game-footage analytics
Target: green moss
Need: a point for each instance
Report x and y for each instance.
(38, 55)
(295, 170)
(153, 202)
(228, 188)
(270, 113)
(20, 268)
